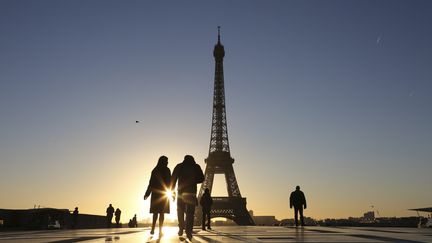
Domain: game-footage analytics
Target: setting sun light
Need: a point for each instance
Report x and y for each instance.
(169, 193)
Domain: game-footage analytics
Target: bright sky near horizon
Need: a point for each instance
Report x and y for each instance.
(334, 96)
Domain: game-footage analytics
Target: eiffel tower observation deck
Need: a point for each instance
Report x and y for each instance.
(219, 160)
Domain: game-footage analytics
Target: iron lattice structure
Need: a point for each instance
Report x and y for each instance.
(219, 131)
(219, 160)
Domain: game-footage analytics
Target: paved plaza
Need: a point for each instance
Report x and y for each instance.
(226, 234)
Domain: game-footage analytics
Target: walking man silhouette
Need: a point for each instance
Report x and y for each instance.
(75, 218)
(189, 174)
(298, 200)
(206, 203)
(134, 221)
(110, 214)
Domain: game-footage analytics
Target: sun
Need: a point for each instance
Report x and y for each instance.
(169, 193)
(173, 206)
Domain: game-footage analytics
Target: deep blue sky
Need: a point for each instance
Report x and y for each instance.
(332, 95)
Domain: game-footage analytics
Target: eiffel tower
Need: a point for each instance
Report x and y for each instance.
(219, 160)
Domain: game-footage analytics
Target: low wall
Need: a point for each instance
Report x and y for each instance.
(48, 218)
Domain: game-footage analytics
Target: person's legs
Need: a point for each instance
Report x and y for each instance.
(296, 215)
(208, 219)
(190, 212)
(203, 219)
(161, 221)
(180, 215)
(155, 217)
(109, 220)
(301, 216)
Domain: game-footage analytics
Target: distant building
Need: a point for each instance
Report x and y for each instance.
(369, 216)
(290, 222)
(378, 222)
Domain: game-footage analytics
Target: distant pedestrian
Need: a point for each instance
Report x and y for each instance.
(158, 188)
(75, 218)
(206, 203)
(110, 214)
(189, 174)
(117, 217)
(298, 200)
(134, 221)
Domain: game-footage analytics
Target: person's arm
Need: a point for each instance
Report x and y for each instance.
(149, 188)
(174, 178)
(304, 200)
(148, 192)
(199, 174)
(168, 182)
(291, 200)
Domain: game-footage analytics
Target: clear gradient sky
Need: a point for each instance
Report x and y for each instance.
(334, 96)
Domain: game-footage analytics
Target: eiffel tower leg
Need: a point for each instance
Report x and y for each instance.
(242, 216)
(232, 186)
(208, 180)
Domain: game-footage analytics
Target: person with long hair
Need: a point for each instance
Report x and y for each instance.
(158, 188)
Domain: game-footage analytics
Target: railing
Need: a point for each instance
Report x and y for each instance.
(229, 199)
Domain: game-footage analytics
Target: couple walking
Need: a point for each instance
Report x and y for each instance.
(187, 175)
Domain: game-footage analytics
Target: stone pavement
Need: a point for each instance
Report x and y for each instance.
(226, 234)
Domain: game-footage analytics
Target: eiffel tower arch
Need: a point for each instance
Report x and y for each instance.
(219, 160)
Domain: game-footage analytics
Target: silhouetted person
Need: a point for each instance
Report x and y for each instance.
(189, 174)
(298, 200)
(159, 184)
(117, 216)
(130, 223)
(110, 214)
(206, 203)
(134, 221)
(75, 218)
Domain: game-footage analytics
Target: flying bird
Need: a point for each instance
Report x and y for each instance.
(137, 121)
(411, 94)
(378, 41)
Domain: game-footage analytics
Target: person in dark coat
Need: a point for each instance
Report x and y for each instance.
(188, 174)
(75, 218)
(206, 203)
(159, 185)
(110, 214)
(134, 221)
(117, 216)
(298, 200)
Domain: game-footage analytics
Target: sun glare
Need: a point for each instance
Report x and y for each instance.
(169, 193)
(173, 205)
